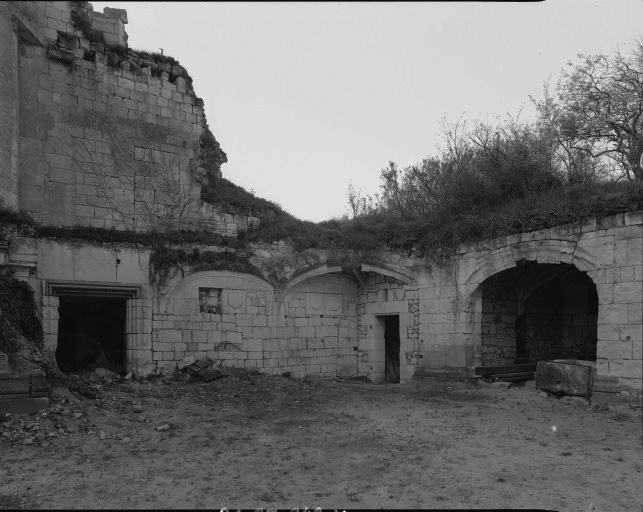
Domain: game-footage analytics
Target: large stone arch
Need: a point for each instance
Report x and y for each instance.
(233, 286)
(330, 269)
(474, 269)
(221, 278)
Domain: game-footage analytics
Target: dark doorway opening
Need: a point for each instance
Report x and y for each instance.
(538, 311)
(91, 333)
(392, 348)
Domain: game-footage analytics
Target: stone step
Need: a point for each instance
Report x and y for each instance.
(23, 404)
(23, 393)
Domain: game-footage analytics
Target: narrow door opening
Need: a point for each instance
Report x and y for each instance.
(392, 348)
(91, 333)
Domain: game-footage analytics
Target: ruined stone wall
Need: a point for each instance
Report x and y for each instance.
(381, 296)
(20, 24)
(103, 139)
(608, 250)
(320, 325)
(282, 328)
(235, 320)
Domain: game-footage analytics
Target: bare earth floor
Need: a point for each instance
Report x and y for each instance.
(259, 441)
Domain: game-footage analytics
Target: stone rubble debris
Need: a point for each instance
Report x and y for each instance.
(203, 369)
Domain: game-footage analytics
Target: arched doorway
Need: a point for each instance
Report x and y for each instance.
(538, 311)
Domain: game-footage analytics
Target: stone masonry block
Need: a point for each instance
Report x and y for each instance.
(635, 313)
(170, 336)
(633, 218)
(630, 369)
(200, 336)
(628, 292)
(635, 251)
(613, 314)
(637, 347)
(614, 350)
(631, 332)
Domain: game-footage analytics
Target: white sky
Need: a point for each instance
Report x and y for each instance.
(306, 98)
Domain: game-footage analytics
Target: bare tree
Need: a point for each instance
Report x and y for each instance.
(597, 110)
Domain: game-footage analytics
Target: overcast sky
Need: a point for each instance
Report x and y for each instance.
(306, 98)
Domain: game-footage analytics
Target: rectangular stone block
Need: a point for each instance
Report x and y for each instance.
(635, 313)
(630, 332)
(633, 218)
(635, 251)
(614, 350)
(200, 336)
(261, 332)
(608, 332)
(169, 336)
(564, 378)
(628, 292)
(629, 369)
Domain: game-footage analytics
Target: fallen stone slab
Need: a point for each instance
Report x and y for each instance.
(565, 378)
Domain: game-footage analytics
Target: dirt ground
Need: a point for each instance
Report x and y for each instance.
(264, 441)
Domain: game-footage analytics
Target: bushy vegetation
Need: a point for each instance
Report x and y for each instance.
(577, 160)
(163, 258)
(581, 157)
(487, 180)
(18, 314)
(26, 226)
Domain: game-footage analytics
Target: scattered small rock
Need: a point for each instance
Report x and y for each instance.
(125, 440)
(101, 435)
(189, 360)
(500, 385)
(137, 408)
(164, 427)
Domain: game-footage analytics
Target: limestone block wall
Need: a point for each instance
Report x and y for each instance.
(21, 24)
(609, 250)
(89, 141)
(111, 22)
(382, 296)
(330, 320)
(235, 320)
(8, 112)
(320, 322)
